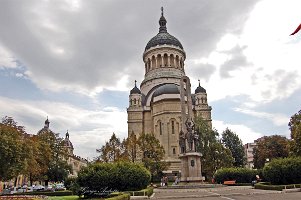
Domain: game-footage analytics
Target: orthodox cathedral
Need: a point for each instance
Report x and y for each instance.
(155, 107)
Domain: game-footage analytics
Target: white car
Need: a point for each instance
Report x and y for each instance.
(38, 188)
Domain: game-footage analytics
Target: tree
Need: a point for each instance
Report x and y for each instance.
(52, 156)
(214, 154)
(152, 154)
(132, 147)
(295, 128)
(270, 147)
(12, 151)
(234, 144)
(33, 164)
(111, 151)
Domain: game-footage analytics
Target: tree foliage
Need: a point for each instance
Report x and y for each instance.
(270, 147)
(52, 156)
(39, 157)
(152, 154)
(111, 151)
(234, 144)
(146, 149)
(283, 171)
(132, 147)
(241, 175)
(12, 149)
(295, 128)
(214, 154)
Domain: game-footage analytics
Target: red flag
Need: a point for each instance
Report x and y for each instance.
(296, 31)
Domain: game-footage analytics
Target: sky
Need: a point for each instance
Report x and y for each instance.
(75, 61)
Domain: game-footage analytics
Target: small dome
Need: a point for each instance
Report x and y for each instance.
(200, 89)
(166, 89)
(68, 143)
(135, 90)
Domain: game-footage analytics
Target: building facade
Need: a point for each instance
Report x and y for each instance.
(155, 107)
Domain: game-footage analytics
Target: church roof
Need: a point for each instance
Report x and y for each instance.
(169, 88)
(200, 89)
(135, 90)
(163, 37)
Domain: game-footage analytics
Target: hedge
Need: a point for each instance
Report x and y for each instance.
(120, 176)
(121, 196)
(241, 175)
(283, 171)
(145, 192)
(268, 186)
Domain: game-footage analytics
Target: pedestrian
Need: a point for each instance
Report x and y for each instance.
(162, 181)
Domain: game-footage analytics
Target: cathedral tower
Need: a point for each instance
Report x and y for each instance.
(156, 106)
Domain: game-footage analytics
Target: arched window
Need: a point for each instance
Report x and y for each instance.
(165, 62)
(177, 61)
(192, 163)
(172, 60)
(172, 127)
(174, 150)
(161, 128)
(153, 62)
(159, 60)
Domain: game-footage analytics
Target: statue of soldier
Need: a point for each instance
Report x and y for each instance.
(182, 142)
(190, 133)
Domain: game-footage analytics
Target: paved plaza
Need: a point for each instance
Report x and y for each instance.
(226, 193)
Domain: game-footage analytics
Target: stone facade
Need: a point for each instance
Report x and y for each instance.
(156, 106)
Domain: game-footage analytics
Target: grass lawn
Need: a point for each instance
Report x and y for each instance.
(73, 197)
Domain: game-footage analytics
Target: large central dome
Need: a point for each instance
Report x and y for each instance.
(163, 37)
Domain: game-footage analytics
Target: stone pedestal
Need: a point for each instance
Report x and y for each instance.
(191, 167)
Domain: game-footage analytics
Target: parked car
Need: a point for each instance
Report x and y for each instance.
(59, 187)
(38, 188)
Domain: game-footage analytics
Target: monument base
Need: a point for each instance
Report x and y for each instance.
(191, 167)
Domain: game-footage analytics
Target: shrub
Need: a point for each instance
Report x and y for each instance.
(119, 176)
(268, 186)
(145, 192)
(241, 175)
(283, 171)
(72, 184)
(121, 196)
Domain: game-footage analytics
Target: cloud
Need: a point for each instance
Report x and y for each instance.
(86, 46)
(277, 118)
(245, 133)
(202, 70)
(6, 59)
(237, 61)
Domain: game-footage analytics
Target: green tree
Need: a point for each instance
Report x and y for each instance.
(295, 128)
(214, 154)
(33, 164)
(12, 152)
(232, 142)
(152, 153)
(270, 147)
(52, 156)
(111, 151)
(132, 147)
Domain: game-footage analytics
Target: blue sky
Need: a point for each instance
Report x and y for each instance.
(75, 62)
